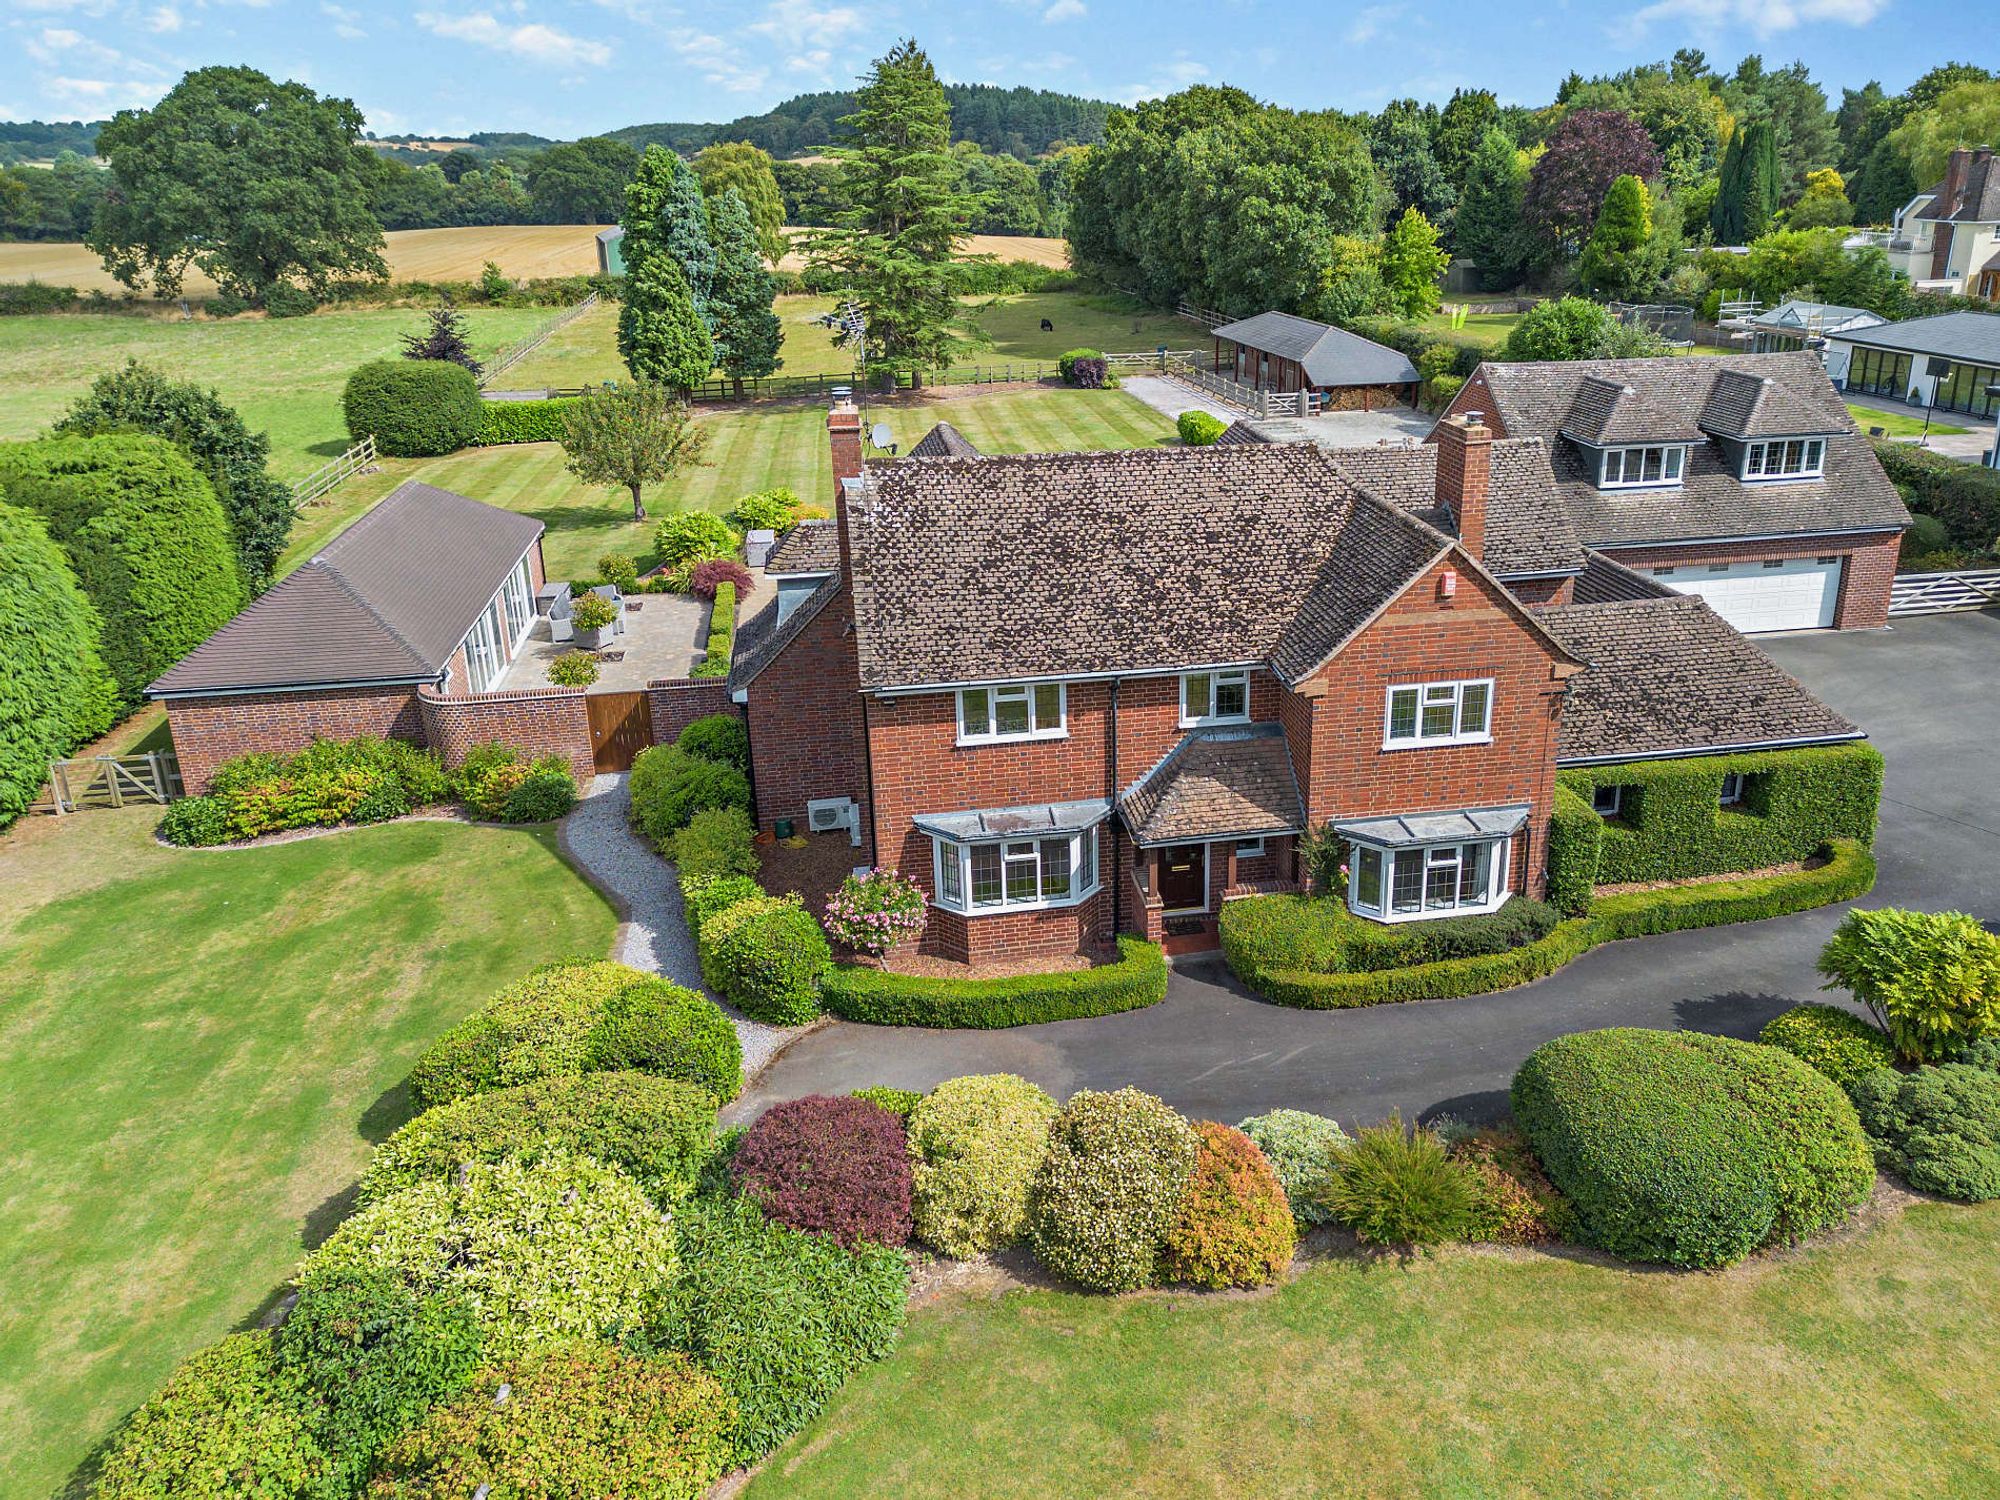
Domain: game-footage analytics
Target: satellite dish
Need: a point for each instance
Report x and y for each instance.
(880, 435)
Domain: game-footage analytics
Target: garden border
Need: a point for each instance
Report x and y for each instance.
(878, 997)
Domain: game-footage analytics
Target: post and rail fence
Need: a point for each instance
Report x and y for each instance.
(110, 781)
(1942, 593)
(514, 353)
(1258, 403)
(328, 477)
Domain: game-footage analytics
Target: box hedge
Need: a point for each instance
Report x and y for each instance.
(415, 408)
(1200, 429)
(522, 421)
(877, 996)
(1576, 838)
(766, 956)
(721, 645)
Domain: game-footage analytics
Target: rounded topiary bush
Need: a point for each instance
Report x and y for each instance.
(975, 1144)
(1235, 1228)
(1301, 1148)
(702, 896)
(669, 786)
(779, 1317)
(832, 1164)
(1200, 429)
(1832, 1041)
(1937, 1128)
(657, 1129)
(227, 1423)
(580, 1419)
(1690, 1149)
(416, 408)
(717, 843)
(767, 957)
(722, 737)
(1109, 1188)
(562, 1247)
(656, 1027)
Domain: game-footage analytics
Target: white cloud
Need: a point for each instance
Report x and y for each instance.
(719, 61)
(1369, 23)
(59, 42)
(1170, 80)
(1765, 17)
(531, 40)
(102, 93)
(1064, 10)
(346, 23)
(163, 20)
(804, 37)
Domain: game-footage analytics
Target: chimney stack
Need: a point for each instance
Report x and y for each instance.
(843, 436)
(1957, 168)
(1464, 468)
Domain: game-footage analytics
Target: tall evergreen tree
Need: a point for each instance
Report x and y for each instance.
(747, 331)
(1748, 195)
(1488, 227)
(660, 335)
(665, 216)
(894, 245)
(445, 339)
(740, 165)
(1615, 261)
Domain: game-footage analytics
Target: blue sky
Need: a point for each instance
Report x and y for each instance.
(569, 67)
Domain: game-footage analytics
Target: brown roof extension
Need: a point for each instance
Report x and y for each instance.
(762, 637)
(388, 600)
(1605, 581)
(1527, 529)
(808, 547)
(1217, 783)
(1667, 677)
(942, 441)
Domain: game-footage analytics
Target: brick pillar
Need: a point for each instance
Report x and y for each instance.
(1464, 467)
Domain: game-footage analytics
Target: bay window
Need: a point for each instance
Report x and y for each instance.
(1439, 713)
(1431, 880)
(1015, 874)
(1221, 697)
(1015, 711)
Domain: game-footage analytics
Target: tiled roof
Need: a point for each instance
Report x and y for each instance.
(1605, 412)
(1971, 336)
(1743, 405)
(1711, 502)
(809, 547)
(760, 638)
(1527, 528)
(942, 441)
(1668, 677)
(1330, 356)
(1604, 581)
(388, 600)
(1240, 431)
(1217, 783)
(1978, 202)
(1071, 563)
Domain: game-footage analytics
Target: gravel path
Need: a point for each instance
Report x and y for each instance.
(652, 935)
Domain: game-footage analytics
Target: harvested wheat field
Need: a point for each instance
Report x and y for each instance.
(1042, 252)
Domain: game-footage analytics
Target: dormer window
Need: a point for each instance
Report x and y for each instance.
(1631, 468)
(1785, 458)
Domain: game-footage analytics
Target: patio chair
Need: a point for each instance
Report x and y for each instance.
(610, 591)
(560, 628)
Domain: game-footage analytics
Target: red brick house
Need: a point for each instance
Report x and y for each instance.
(1085, 693)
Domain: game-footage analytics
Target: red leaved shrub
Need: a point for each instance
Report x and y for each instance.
(719, 570)
(835, 1165)
(1235, 1227)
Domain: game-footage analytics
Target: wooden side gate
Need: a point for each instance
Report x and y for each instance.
(621, 725)
(110, 781)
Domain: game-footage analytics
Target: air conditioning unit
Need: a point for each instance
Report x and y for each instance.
(831, 814)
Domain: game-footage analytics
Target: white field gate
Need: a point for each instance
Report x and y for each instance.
(110, 781)
(1942, 593)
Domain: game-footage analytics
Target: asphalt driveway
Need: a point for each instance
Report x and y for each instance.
(1924, 691)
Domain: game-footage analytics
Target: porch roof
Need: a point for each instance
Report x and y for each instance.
(1405, 830)
(1030, 821)
(1217, 783)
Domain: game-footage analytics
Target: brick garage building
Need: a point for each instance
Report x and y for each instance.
(1077, 694)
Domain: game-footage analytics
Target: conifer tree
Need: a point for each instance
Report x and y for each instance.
(1748, 196)
(1488, 227)
(1412, 263)
(665, 216)
(660, 335)
(747, 330)
(1615, 260)
(445, 339)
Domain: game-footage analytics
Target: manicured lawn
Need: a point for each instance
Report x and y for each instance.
(1083, 320)
(1862, 1368)
(585, 351)
(749, 448)
(1896, 424)
(197, 1051)
(1489, 330)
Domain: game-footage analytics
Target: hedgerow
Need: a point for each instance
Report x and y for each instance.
(975, 1145)
(1235, 1228)
(1109, 1188)
(415, 408)
(522, 421)
(828, 1164)
(877, 996)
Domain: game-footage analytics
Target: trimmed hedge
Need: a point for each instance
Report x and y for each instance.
(719, 737)
(718, 842)
(1576, 838)
(1138, 978)
(1199, 429)
(1439, 981)
(1110, 1186)
(721, 647)
(976, 1143)
(1849, 871)
(702, 896)
(416, 408)
(829, 1164)
(1670, 827)
(669, 786)
(1832, 1041)
(766, 956)
(522, 421)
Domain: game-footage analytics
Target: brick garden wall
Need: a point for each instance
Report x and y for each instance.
(209, 731)
(1867, 572)
(676, 702)
(536, 721)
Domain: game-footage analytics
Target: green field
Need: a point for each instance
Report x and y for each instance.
(1858, 1368)
(196, 1054)
(1896, 424)
(749, 448)
(1488, 330)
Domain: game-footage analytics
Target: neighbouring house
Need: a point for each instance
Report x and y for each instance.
(1337, 370)
(1794, 325)
(404, 626)
(1078, 694)
(1741, 479)
(1947, 238)
(1950, 361)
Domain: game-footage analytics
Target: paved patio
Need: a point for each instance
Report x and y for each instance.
(665, 635)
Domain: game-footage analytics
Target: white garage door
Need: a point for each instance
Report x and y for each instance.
(1797, 594)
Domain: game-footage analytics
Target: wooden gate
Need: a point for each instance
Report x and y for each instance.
(621, 725)
(110, 781)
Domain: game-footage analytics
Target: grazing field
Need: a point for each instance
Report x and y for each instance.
(1855, 1368)
(749, 448)
(196, 1055)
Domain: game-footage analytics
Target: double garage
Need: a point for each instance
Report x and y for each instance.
(1792, 593)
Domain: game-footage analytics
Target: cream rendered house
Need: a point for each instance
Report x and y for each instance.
(1947, 238)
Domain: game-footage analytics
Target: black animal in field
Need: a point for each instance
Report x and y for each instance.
(1047, 326)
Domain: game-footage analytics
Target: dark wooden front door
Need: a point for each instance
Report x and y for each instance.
(1184, 877)
(621, 725)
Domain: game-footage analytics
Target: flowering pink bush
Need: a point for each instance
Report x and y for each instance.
(707, 575)
(872, 913)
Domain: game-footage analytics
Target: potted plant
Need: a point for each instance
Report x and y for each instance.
(592, 616)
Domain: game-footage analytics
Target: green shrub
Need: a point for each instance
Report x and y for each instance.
(1689, 1149)
(416, 408)
(1937, 1128)
(1849, 871)
(1138, 978)
(1235, 1228)
(766, 956)
(716, 842)
(1109, 1188)
(1307, 933)
(329, 782)
(702, 896)
(591, 610)
(723, 737)
(1301, 1148)
(577, 1017)
(374, 1357)
(564, 1247)
(1066, 362)
(656, 1129)
(669, 786)
(774, 509)
(720, 648)
(1930, 979)
(1965, 497)
(500, 784)
(195, 822)
(975, 1145)
(779, 1317)
(1198, 429)
(1400, 1187)
(1575, 834)
(522, 421)
(1445, 980)
(1669, 825)
(1373, 946)
(689, 536)
(573, 669)
(579, 1419)
(901, 1103)
(1830, 1040)
(620, 571)
(144, 537)
(227, 1423)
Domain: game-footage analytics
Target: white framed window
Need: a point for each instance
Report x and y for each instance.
(1440, 713)
(1434, 880)
(1786, 458)
(1732, 789)
(1015, 874)
(1630, 468)
(1249, 848)
(1606, 801)
(1016, 711)
(1221, 697)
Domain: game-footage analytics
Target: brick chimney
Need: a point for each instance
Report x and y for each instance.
(1957, 168)
(1464, 468)
(843, 436)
